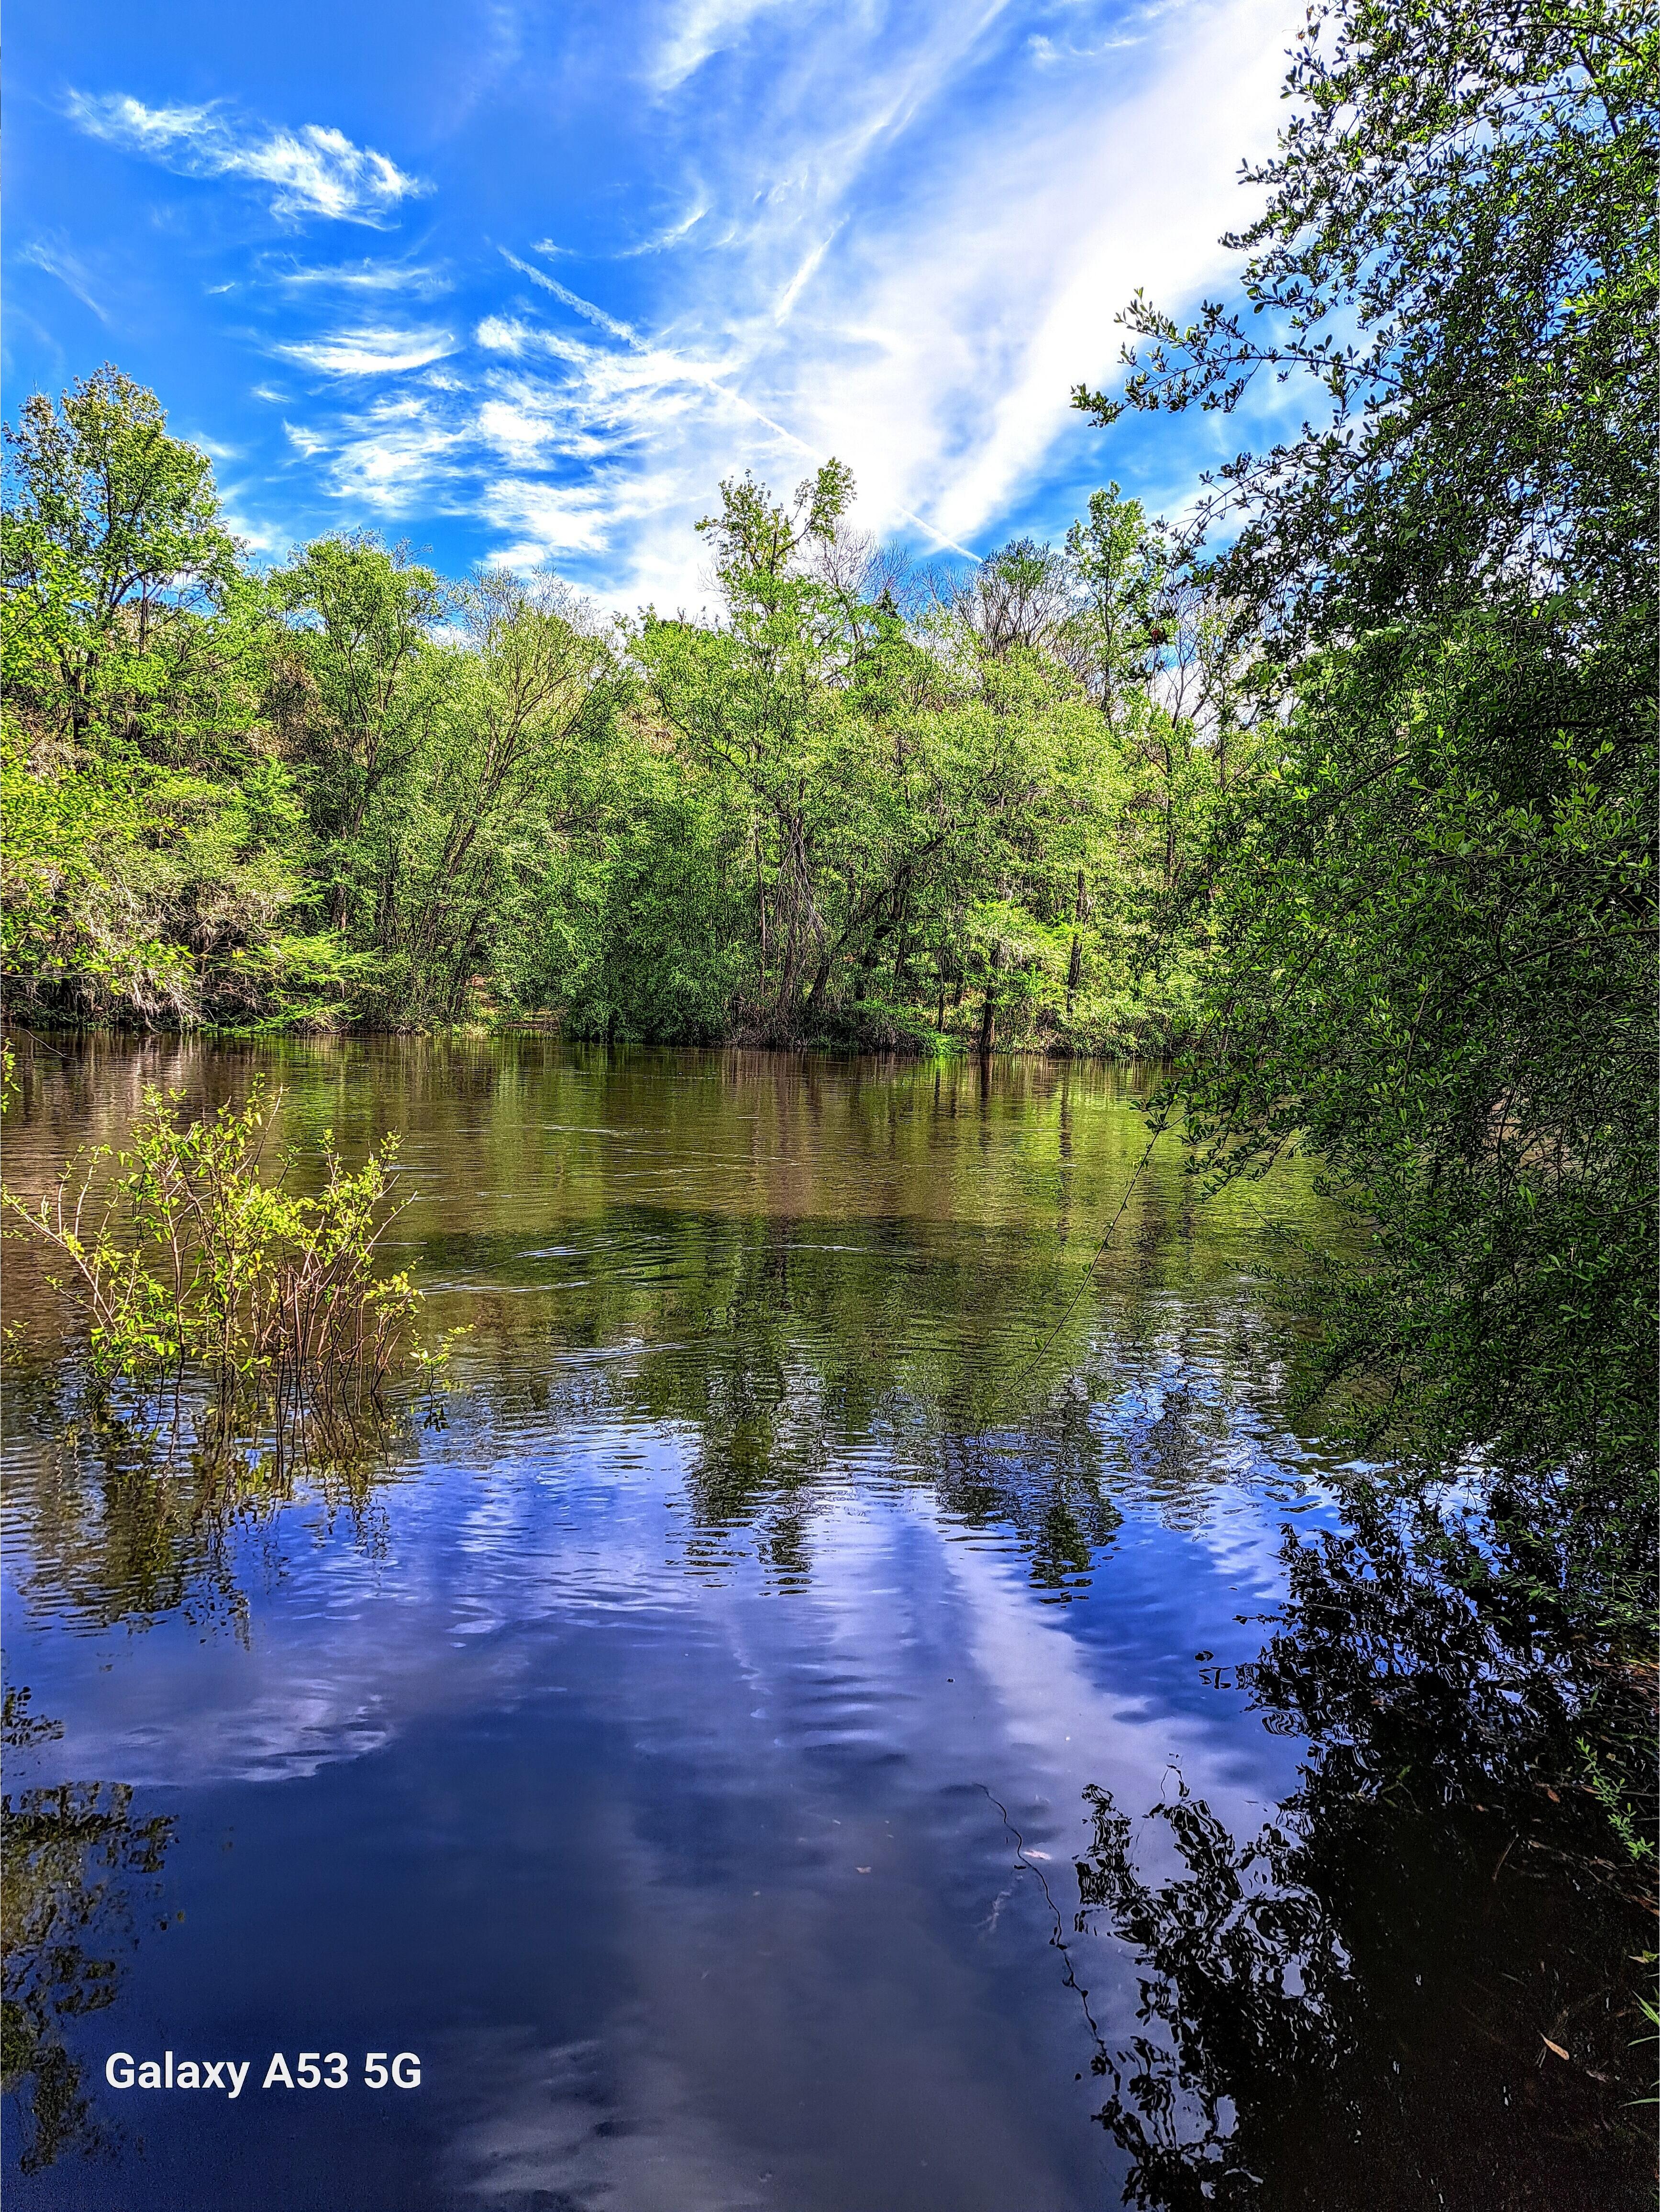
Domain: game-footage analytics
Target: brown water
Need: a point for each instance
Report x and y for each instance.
(822, 1715)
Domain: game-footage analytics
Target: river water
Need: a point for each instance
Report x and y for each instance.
(817, 1715)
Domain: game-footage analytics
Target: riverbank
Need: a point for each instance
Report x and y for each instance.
(872, 1028)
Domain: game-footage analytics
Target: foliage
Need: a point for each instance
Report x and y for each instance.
(1458, 250)
(351, 790)
(1431, 909)
(187, 1255)
(1434, 974)
(75, 929)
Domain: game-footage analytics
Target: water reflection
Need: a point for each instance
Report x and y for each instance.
(1412, 1985)
(136, 1506)
(77, 1863)
(837, 1277)
(680, 1732)
(140, 1505)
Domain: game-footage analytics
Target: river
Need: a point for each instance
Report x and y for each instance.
(818, 1714)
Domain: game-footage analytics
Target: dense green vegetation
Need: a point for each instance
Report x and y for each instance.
(187, 1250)
(1347, 796)
(1432, 915)
(351, 790)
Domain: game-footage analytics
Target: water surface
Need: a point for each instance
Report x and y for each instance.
(816, 1717)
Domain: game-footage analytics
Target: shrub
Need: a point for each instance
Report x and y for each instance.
(185, 1255)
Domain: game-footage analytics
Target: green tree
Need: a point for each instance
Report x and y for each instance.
(478, 848)
(147, 820)
(1434, 912)
(355, 696)
(1459, 250)
(112, 548)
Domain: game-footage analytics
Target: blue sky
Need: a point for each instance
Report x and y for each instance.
(512, 279)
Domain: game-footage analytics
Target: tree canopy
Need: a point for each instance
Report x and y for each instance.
(1432, 915)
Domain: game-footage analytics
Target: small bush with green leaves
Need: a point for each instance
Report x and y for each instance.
(181, 1252)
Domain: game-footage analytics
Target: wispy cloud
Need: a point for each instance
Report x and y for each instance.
(912, 248)
(310, 171)
(371, 352)
(553, 519)
(585, 308)
(406, 278)
(56, 260)
(393, 456)
(699, 28)
(661, 242)
(905, 244)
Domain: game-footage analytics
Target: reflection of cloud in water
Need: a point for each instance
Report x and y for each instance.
(586, 2124)
(726, 2024)
(1062, 1725)
(512, 1565)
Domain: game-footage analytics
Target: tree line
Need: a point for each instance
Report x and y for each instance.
(852, 806)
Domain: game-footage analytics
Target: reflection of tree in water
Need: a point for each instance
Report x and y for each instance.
(74, 1860)
(792, 1353)
(1357, 2007)
(1047, 1481)
(135, 1505)
(815, 1268)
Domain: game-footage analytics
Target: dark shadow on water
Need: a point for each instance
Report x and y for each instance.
(1417, 1985)
(78, 1868)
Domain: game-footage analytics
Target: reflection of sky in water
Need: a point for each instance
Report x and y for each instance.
(677, 1878)
(671, 1752)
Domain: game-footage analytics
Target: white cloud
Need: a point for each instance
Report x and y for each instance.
(312, 171)
(306, 442)
(371, 352)
(699, 28)
(553, 519)
(660, 242)
(375, 276)
(397, 454)
(926, 250)
(56, 260)
(585, 308)
(906, 245)
(803, 277)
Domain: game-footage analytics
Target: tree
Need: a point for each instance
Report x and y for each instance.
(1112, 633)
(1434, 913)
(764, 702)
(1458, 250)
(1020, 598)
(356, 690)
(142, 814)
(478, 844)
(111, 543)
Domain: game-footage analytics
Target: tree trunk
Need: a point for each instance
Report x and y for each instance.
(988, 1009)
(902, 934)
(1169, 818)
(1075, 965)
(760, 901)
